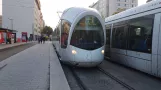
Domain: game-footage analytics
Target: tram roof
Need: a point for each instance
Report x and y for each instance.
(136, 10)
(71, 13)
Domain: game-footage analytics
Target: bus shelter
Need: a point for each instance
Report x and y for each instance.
(7, 36)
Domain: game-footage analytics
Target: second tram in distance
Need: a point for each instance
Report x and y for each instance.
(80, 37)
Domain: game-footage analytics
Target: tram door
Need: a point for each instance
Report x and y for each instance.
(156, 62)
(108, 40)
(65, 27)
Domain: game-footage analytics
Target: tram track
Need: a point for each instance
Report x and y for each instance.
(116, 79)
(76, 73)
(84, 86)
(79, 82)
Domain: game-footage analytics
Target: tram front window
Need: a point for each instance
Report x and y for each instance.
(88, 34)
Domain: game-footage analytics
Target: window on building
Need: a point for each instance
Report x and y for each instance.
(140, 34)
(118, 4)
(125, 5)
(118, 0)
(64, 33)
(133, 1)
(132, 5)
(125, 1)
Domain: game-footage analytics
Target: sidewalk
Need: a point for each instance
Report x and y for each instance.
(6, 46)
(36, 68)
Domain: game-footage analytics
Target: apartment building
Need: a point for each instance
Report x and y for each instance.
(110, 7)
(23, 16)
(42, 23)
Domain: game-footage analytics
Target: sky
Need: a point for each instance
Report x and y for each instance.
(51, 7)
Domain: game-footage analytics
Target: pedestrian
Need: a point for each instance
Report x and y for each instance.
(39, 39)
(43, 40)
(26, 39)
(29, 39)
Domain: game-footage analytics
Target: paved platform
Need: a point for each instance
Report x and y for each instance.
(6, 46)
(58, 80)
(36, 68)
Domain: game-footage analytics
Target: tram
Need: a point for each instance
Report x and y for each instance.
(134, 38)
(80, 37)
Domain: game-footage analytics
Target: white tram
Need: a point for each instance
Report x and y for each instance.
(134, 38)
(79, 37)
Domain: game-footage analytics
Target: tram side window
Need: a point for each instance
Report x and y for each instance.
(108, 33)
(140, 34)
(64, 33)
(118, 38)
(113, 37)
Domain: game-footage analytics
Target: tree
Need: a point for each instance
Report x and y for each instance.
(47, 30)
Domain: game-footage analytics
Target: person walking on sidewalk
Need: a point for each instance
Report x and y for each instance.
(44, 39)
(41, 38)
(8, 40)
(26, 39)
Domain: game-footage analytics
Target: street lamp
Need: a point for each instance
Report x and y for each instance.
(11, 22)
(58, 13)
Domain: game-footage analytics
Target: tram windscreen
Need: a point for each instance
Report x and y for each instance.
(88, 34)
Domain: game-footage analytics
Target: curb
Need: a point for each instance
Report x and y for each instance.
(58, 79)
(3, 65)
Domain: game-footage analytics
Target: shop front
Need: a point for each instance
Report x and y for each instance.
(1, 38)
(7, 36)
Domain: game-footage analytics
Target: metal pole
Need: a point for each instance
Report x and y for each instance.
(12, 23)
(58, 14)
(11, 28)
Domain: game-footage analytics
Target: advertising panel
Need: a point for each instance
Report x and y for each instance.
(24, 36)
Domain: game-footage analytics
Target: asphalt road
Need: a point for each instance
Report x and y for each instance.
(12, 51)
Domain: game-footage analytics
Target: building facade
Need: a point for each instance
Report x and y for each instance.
(110, 7)
(23, 16)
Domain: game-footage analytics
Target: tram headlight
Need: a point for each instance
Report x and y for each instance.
(74, 52)
(103, 51)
